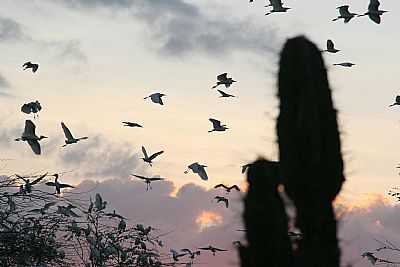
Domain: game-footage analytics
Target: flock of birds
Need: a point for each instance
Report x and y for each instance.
(29, 134)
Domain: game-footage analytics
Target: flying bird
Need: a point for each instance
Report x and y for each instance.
(43, 210)
(192, 254)
(228, 189)
(223, 94)
(277, 6)
(132, 124)
(69, 137)
(213, 249)
(373, 11)
(29, 136)
(330, 47)
(345, 14)
(223, 79)
(58, 185)
(222, 199)
(345, 64)
(156, 98)
(30, 65)
(148, 180)
(153, 156)
(67, 211)
(217, 126)
(176, 255)
(31, 107)
(27, 188)
(397, 101)
(199, 169)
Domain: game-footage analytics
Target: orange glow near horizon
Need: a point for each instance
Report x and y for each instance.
(208, 219)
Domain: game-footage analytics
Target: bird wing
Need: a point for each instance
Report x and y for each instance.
(66, 185)
(34, 144)
(144, 152)
(330, 45)
(26, 64)
(398, 99)
(219, 249)
(26, 108)
(344, 11)
(216, 123)
(39, 179)
(50, 184)
(205, 248)
(35, 67)
(155, 155)
(29, 128)
(373, 5)
(156, 179)
(244, 168)
(220, 185)
(222, 77)
(160, 101)
(375, 17)
(276, 4)
(67, 132)
(235, 187)
(139, 176)
(202, 173)
(223, 93)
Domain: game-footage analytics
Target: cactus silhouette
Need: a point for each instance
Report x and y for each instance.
(310, 166)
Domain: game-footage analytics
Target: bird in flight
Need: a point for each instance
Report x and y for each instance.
(223, 79)
(277, 6)
(228, 189)
(345, 14)
(222, 199)
(58, 185)
(213, 249)
(153, 156)
(30, 65)
(156, 98)
(176, 255)
(373, 11)
(30, 136)
(330, 47)
(192, 254)
(32, 107)
(199, 169)
(148, 180)
(132, 124)
(43, 210)
(223, 94)
(396, 102)
(345, 64)
(27, 188)
(217, 126)
(69, 138)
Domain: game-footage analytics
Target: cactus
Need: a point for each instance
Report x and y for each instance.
(310, 166)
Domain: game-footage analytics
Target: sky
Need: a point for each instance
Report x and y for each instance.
(100, 58)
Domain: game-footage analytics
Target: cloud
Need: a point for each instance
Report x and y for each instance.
(98, 157)
(10, 30)
(182, 28)
(177, 215)
(4, 86)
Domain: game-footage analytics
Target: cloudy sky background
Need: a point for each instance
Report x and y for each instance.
(99, 58)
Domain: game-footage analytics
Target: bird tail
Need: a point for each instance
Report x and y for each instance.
(393, 105)
(211, 131)
(335, 19)
(83, 138)
(269, 13)
(18, 139)
(215, 86)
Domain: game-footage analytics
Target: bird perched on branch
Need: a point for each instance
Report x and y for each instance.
(223, 79)
(228, 189)
(153, 156)
(69, 137)
(148, 180)
(345, 14)
(30, 65)
(30, 136)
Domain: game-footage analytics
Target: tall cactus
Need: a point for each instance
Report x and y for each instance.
(310, 167)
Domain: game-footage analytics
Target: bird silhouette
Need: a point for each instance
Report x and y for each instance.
(213, 249)
(156, 98)
(192, 254)
(223, 94)
(345, 64)
(330, 47)
(27, 187)
(277, 6)
(199, 169)
(396, 102)
(30, 65)
(69, 137)
(223, 79)
(373, 11)
(148, 180)
(222, 199)
(345, 14)
(153, 156)
(217, 126)
(32, 107)
(228, 189)
(176, 255)
(30, 136)
(132, 124)
(58, 185)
